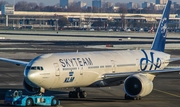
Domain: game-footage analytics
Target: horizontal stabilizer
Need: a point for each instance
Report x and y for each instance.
(174, 59)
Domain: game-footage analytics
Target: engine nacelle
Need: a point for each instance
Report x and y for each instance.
(30, 88)
(138, 85)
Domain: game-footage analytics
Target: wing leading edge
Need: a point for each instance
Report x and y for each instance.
(126, 74)
(17, 62)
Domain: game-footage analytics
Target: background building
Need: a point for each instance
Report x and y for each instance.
(146, 4)
(159, 7)
(97, 3)
(108, 4)
(65, 3)
(132, 5)
(81, 4)
(176, 5)
(161, 1)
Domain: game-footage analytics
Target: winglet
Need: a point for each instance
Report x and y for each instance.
(161, 33)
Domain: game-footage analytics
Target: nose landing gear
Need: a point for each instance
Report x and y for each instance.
(41, 91)
(78, 93)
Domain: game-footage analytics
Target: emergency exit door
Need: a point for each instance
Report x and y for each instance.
(57, 69)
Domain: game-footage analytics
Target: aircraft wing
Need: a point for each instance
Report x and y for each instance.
(17, 62)
(174, 59)
(126, 74)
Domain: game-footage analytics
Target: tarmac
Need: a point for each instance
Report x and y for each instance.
(82, 36)
(166, 92)
(81, 33)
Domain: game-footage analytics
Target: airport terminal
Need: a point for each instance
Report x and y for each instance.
(11, 19)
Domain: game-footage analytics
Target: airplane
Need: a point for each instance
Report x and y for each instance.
(136, 69)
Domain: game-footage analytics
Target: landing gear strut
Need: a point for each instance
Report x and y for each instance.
(131, 98)
(41, 91)
(78, 93)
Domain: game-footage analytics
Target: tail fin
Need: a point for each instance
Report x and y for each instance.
(161, 33)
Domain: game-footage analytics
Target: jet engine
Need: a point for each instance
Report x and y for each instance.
(138, 85)
(30, 88)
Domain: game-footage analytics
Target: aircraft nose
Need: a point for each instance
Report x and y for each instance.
(33, 76)
(26, 71)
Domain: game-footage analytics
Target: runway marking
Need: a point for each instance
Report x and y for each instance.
(167, 93)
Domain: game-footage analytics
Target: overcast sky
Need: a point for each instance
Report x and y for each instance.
(52, 2)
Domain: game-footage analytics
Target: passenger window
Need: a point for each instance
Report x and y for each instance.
(42, 68)
(38, 68)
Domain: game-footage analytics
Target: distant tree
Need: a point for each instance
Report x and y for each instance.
(62, 21)
(3, 2)
(51, 9)
(21, 6)
(146, 10)
(133, 11)
(73, 7)
(95, 10)
(29, 6)
(41, 5)
(32, 5)
(57, 5)
(123, 21)
(122, 10)
(48, 9)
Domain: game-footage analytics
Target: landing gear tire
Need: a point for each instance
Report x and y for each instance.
(83, 94)
(71, 94)
(78, 93)
(131, 98)
(74, 94)
(54, 102)
(138, 98)
(29, 102)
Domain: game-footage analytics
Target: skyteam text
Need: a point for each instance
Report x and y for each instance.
(73, 62)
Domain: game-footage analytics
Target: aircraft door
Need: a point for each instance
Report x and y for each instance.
(81, 71)
(80, 76)
(57, 69)
(138, 64)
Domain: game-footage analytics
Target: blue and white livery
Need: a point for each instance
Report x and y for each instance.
(135, 69)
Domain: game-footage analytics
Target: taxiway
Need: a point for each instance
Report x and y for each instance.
(166, 91)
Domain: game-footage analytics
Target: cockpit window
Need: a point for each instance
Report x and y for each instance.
(37, 68)
(33, 68)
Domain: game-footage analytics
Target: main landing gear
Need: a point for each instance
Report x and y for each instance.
(131, 98)
(78, 93)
